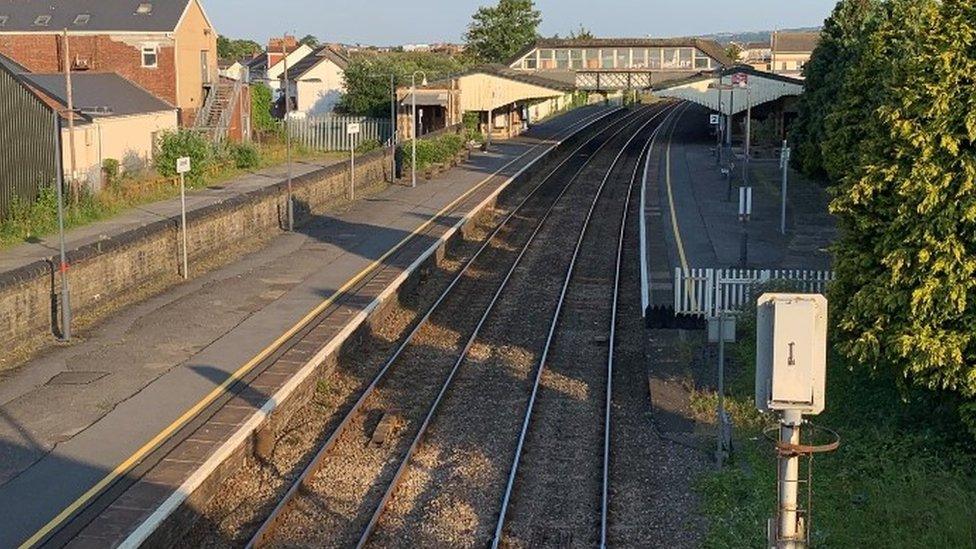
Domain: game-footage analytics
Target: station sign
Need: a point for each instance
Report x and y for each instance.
(714, 119)
(740, 79)
(352, 128)
(183, 165)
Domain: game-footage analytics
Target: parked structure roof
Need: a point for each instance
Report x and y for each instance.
(795, 42)
(97, 94)
(22, 16)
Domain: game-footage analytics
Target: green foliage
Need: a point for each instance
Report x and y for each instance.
(905, 296)
(228, 48)
(831, 65)
(368, 145)
(498, 32)
(367, 78)
(582, 33)
(261, 102)
(174, 145)
(875, 491)
(310, 40)
(733, 50)
(245, 156)
(434, 150)
(110, 167)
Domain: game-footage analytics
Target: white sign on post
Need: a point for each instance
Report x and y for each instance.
(183, 165)
(352, 128)
(713, 119)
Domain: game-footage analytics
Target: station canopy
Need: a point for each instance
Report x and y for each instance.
(759, 87)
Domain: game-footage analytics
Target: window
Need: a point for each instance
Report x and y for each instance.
(545, 59)
(702, 61)
(42, 20)
(82, 19)
(670, 58)
(606, 59)
(3, 20)
(530, 61)
(576, 58)
(144, 8)
(150, 57)
(623, 58)
(784, 66)
(562, 59)
(684, 58)
(640, 59)
(654, 58)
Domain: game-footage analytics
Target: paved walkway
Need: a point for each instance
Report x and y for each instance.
(45, 247)
(77, 412)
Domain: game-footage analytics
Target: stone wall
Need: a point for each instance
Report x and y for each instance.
(118, 270)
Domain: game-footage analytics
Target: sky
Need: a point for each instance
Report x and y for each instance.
(397, 22)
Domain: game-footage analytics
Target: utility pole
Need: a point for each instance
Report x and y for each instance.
(393, 128)
(745, 171)
(71, 118)
(63, 266)
(287, 86)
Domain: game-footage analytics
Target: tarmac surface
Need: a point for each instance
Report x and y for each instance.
(74, 413)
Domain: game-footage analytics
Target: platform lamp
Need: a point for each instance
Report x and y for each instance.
(413, 152)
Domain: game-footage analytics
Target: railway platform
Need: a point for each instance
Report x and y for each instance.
(101, 440)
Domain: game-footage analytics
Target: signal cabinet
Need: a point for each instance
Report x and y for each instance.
(791, 352)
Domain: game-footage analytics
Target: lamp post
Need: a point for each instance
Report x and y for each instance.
(413, 152)
(63, 265)
(287, 92)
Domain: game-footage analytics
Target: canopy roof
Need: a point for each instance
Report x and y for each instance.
(762, 87)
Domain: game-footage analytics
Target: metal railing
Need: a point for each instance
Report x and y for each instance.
(328, 132)
(706, 292)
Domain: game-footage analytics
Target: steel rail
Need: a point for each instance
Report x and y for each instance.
(646, 151)
(391, 487)
(79, 514)
(506, 499)
(264, 532)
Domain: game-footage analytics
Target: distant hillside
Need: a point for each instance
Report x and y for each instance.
(750, 36)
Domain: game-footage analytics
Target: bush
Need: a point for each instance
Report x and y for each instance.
(261, 102)
(367, 146)
(245, 156)
(174, 145)
(434, 150)
(110, 167)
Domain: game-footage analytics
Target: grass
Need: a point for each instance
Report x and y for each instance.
(28, 221)
(904, 476)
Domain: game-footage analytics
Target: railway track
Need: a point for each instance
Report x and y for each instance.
(557, 493)
(326, 504)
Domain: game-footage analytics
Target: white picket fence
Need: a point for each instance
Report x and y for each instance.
(706, 292)
(328, 132)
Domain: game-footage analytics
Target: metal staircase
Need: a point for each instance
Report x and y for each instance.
(214, 119)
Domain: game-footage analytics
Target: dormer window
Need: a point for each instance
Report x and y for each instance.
(82, 19)
(42, 20)
(144, 8)
(3, 20)
(150, 57)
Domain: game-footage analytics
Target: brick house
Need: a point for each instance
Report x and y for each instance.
(168, 47)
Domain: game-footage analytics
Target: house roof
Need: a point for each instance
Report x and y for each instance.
(795, 41)
(309, 62)
(102, 15)
(98, 94)
(12, 65)
(709, 47)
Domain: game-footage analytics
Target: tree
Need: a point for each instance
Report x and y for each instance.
(367, 78)
(734, 51)
(497, 33)
(310, 40)
(835, 55)
(228, 48)
(582, 33)
(905, 294)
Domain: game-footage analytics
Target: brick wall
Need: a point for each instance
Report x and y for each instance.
(112, 271)
(43, 53)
